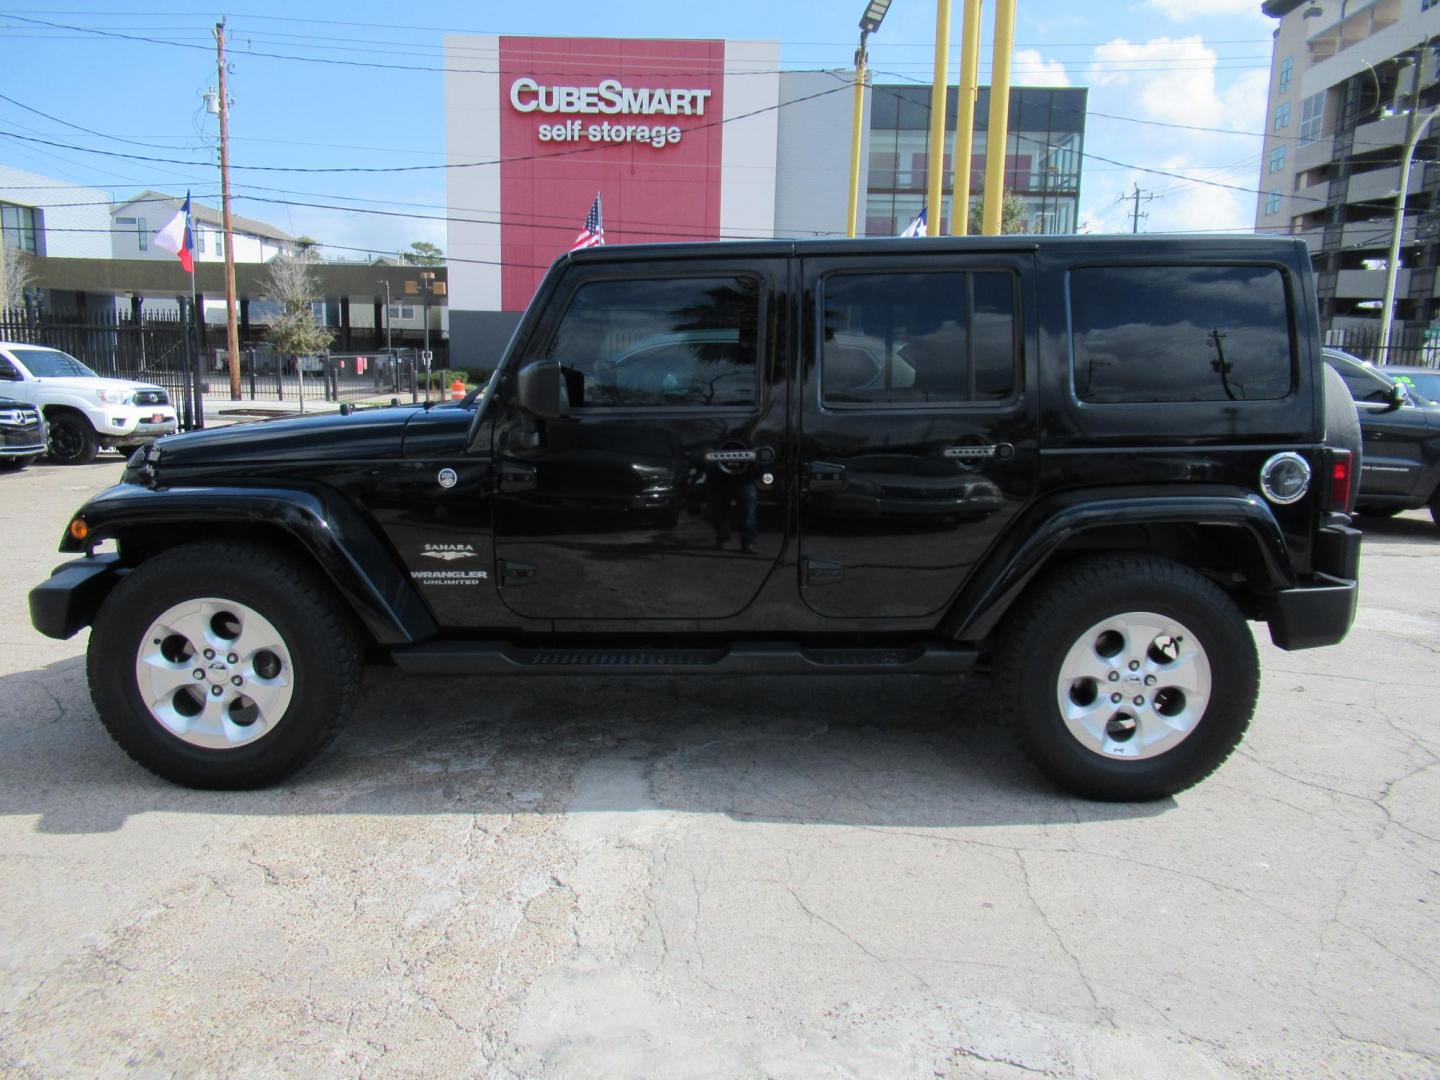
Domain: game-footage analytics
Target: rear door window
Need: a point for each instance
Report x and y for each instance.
(1144, 334)
(924, 338)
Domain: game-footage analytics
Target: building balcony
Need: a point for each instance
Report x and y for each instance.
(1375, 235)
(1313, 155)
(1389, 131)
(1368, 284)
(1378, 186)
(1314, 239)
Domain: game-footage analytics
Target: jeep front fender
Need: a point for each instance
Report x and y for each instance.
(344, 545)
(1051, 524)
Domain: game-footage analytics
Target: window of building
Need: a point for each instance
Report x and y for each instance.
(200, 241)
(1426, 5)
(402, 311)
(1277, 159)
(1272, 202)
(1312, 118)
(660, 343)
(1179, 333)
(142, 238)
(1282, 116)
(18, 224)
(946, 338)
(1287, 71)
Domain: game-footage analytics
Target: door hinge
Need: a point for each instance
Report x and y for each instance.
(515, 477)
(516, 573)
(820, 572)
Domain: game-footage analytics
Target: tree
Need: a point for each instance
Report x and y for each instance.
(294, 332)
(423, 253)
(1012, 215)
(15, 277)
(306, 243)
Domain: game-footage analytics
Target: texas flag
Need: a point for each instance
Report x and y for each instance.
(176, 238)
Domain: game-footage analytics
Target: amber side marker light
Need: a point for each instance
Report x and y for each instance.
(78, 529)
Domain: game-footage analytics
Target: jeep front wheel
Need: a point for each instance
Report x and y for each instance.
(1132, 678)
(223, 665)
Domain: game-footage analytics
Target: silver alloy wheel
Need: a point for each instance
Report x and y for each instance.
(1134, 685)
(215, 673)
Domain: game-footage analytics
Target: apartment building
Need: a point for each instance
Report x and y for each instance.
(1344, 78)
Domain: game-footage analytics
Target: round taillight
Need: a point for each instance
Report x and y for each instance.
(1285, 478)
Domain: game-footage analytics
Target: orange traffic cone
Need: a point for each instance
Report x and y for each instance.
(457, 390)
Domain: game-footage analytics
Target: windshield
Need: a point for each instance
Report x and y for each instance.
(53, 364)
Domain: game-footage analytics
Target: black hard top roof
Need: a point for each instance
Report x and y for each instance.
(1149, 244)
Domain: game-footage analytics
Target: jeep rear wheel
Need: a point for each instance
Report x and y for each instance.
(1132, 678)
(223, 665)
(72, 440)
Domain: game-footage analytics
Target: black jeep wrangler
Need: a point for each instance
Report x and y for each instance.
(1083, 463)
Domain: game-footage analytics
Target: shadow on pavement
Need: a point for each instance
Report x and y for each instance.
(905, 751)
(1409, 528)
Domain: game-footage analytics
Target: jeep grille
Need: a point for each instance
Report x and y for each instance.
(151, 397)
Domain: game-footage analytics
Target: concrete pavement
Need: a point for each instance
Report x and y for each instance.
(854, 877)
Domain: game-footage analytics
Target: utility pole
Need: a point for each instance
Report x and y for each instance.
(1135, 214)
(997, 137)
(1415, 127)
(389, 346)
(232, 332)
(939, 89)
(968, 90)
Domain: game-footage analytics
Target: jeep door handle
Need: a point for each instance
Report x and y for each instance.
(823, 476)
(999, 451)
(515, 477)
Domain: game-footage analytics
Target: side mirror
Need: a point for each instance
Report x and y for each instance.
(537, 388)
(1398, 397)
(9, 374)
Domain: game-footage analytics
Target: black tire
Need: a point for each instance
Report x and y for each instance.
(1377, 511)
(1435, 506)
(15, 464)
(72, 440)
(322, 640)
(1342, 426)
(1057, 613)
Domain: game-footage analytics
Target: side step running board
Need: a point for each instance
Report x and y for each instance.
(741, 658)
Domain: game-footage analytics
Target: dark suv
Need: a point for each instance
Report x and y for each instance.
(1081, 463)
(1401, 437)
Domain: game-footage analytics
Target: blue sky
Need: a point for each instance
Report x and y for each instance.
(1149, 64)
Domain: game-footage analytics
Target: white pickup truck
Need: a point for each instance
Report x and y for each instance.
(85, 412)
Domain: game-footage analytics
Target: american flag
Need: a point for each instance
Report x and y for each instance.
(593, 234)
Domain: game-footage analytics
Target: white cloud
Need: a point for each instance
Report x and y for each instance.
(1176, 77)
(1188, 10)
(1030, 68)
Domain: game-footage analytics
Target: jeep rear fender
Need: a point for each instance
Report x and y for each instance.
(1047, 528)
(343, 544)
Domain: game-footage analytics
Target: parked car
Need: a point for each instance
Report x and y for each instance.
(85, 412)
(1134, 443)
(22, 433)
(1401, 433)
(1422, 382)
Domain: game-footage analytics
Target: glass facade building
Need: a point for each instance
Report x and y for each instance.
(1043, 155)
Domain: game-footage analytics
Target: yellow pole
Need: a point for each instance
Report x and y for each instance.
(998, 137)
(934, 192)
(857, 129)
(968, 91)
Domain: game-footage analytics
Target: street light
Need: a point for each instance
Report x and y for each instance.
(1415, 129)
(869, 23)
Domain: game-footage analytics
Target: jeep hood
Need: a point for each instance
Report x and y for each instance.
(365, 435)
(86, 386)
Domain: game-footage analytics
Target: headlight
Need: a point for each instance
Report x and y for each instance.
(113, 397)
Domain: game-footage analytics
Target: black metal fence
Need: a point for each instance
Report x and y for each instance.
(170, 350)
(1414, 345)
